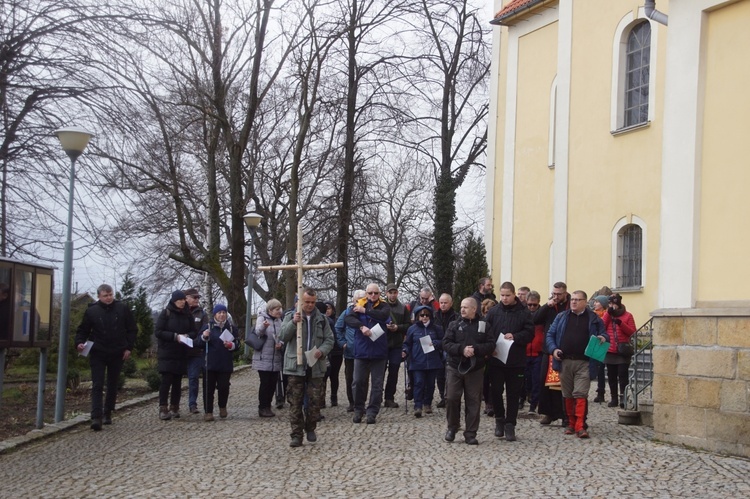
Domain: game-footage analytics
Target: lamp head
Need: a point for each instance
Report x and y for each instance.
(252, 220)
(73, 140)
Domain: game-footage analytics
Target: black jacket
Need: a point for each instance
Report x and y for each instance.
(463, 333)
(516, 320)
(171, 353)
(111, 327)
(402, 318)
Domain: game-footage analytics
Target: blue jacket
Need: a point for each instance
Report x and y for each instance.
(375, 313)
(345, 334)
(418, 360)
(218, 357)
(557, 330)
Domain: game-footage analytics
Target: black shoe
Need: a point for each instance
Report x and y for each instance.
(441, 404)
(357, 418)
(391, 403)
(521, 403)
(311, 436)
(350, 408)
(510, 432)
(622, 406)
(471, 441)
(599, 398)
(546, 420)
(418, 413)
(96, 424)
(499, 429)
(450, 436)
(107, 418)
(613, 403)
(280, 405)
(334, 402)
(371, 420)
(296, 442)
(409, 394)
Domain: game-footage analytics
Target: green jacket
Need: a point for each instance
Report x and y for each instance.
(322, 337)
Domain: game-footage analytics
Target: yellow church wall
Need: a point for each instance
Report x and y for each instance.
(497, 198)
(610, 176)
(725, 177)
(532, 210)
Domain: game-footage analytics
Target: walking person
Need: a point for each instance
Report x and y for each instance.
(195, 360)
(620, 326)
(173, 325)
(268, 359)
(217, 340)
(345, 339)
(109, 324)
(335, 359)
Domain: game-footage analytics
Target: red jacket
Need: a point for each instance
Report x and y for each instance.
(625, 329)
(534, 349)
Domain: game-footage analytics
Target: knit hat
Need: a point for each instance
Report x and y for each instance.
(192, 292)
(603, 300)
(177, 295)
(219, 308)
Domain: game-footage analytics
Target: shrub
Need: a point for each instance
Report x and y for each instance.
(152, 378)
(74, 379)
(129, 367)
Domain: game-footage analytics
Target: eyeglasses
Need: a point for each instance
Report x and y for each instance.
(373, 292)
(532, 305)
(577, 299)
(424, 315)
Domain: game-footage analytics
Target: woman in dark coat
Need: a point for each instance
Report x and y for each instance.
(174, 325)
(218, 339)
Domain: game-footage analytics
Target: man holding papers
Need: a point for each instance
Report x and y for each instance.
(370, 318)
(317, 337)
(567, 339)
(110, 328)
(509, 323)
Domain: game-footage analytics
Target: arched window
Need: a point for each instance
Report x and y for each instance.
(638, 59)
(629, 256)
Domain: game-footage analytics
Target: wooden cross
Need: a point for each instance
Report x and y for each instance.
(300, 267)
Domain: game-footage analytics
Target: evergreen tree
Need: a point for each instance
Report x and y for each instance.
(473, 267)
(137, 300)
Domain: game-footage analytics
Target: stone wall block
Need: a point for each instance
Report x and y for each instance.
(670, 390)
(668, 330)
(734, 332)
(734, 396)
(710, 362)
(701, 331)
(691, 421)
(665, 360)
(704, 392)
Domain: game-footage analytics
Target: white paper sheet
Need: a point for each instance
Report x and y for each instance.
(311, 359)
(426, 342)
(377, 332)
(86, 349)
(186, 340)
(502, 348)
(482, 326)
(226, 336)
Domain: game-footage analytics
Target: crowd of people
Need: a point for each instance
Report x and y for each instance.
(506, 351)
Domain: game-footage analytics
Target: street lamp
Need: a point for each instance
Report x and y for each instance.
(73, 140)
(252, 220)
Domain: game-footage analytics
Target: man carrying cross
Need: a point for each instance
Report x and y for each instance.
(370, 355)
(306, 378)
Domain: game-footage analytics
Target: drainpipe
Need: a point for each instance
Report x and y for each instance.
(653, 14)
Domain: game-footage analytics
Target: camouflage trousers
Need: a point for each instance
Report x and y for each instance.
(304, 420)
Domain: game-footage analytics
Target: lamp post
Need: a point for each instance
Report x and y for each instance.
(252, 220)
(73, 140)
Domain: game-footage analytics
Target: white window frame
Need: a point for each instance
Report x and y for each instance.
(619, 65)
(617, 250)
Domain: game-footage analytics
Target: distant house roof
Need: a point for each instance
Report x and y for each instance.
(516, 9)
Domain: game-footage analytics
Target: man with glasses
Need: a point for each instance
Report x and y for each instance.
(444, 317)
(195, 356)
(370, 355)
(550, 400)
(532, 373)
(567, 339)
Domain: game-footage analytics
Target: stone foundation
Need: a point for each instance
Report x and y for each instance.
(701, 386)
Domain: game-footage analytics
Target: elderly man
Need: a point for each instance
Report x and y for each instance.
(369, 317)
(306, 379)
(467, 343)
(567, 339)
(444, 317)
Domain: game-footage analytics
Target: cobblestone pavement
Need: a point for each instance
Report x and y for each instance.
(244, 455)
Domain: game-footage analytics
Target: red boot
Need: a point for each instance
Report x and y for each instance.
(580, 410)
(570, 410)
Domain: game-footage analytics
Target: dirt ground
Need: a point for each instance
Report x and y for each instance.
(19, 403)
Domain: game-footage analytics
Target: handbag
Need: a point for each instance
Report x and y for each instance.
(624, 349)
(255, 341)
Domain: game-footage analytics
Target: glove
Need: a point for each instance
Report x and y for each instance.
(617, 321)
